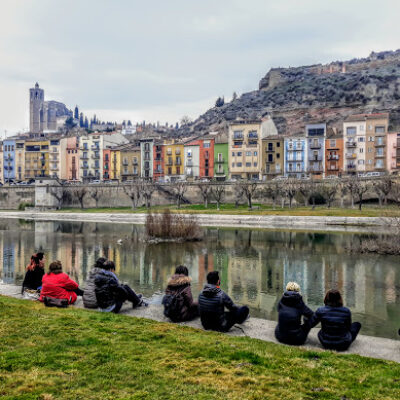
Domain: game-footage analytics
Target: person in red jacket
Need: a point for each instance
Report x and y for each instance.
(58, 285)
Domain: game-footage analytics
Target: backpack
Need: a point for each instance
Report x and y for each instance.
(173, 304)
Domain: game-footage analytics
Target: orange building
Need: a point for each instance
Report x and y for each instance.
(72, 159)
(206, 157)
(333, 154)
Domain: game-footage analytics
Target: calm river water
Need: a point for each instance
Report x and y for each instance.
(254, 264)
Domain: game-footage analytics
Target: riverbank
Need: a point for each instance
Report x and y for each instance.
(78, 354)
(328, 223)
(257, 328)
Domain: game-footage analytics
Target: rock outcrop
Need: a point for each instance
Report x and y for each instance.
(294, 97)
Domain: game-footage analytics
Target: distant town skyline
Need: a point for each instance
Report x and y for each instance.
(129, 60)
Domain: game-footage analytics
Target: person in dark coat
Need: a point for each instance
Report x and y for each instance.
(212, 303)
(291, 309)
(337, 331)
(110, 294)
(179, 286)
(89, 295)
(34, 273)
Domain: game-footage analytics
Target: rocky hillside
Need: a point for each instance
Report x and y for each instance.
(294, 97)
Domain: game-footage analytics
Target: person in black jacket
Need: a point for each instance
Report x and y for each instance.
(110, 294)
(212, 303)
(34, 273)
(337, 331)
(291, 309)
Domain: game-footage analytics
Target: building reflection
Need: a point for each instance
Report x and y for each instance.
(254, 265)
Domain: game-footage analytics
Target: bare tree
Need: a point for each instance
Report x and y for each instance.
(342, 189)
(95, 194)
(249, 190)
(329, 190)
(218, 192)
(60, 194)
(382, 188)
(185, 120)
(290, 189)
(148, 188)
(205, 189)
(305, 190)
(79, 193)
(272, 190)
(314, 191)
(179, 188)
(357, 189)
(133, 190)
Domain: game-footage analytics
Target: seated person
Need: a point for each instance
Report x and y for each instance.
(212, 303)
(34, 273)
(58, 285)
(110, 294)
(89, 295)
(337, 331)
(291, 308)
(178, 300)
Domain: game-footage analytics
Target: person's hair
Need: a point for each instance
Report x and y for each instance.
(100, 262)
(213, 277)
(108, 265)
(293, 287)
(333, 298)
(35, 262)
(55, 267)
(40, 255)
(182, 270)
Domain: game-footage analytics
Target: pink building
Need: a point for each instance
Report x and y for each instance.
(391, 152)
(72, 159)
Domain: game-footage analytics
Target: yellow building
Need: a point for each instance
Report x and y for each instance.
(129, 162)
(36, 158)
(173, 160)
(115, 163)
(245, 146)
(20, 160)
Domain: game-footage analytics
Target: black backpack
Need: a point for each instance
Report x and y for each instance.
(173, 304)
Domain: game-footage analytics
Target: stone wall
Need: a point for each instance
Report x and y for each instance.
(11, 197)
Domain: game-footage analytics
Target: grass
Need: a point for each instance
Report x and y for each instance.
(260, 209)
(77, 354)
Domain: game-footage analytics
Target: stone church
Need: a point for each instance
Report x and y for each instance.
(45, 115)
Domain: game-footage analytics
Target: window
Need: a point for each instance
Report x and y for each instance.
(248, 164)
(233, 164)
(255, 164)
(379, 151)
(206, 144)
(270, 158)
(370, 138)
(255, 153)
(238, 134)
(370, 149)
(379, 129)
(239, 154)
(361, 139)
(379, 141)
(278, 155)
(351, 130)
(369, 161)
(219, 156)
(278, 144)
(189, 153)
(239, 164)
(379, 164)
(248, 153)
(233, 154)
(361, 150)
(270, 146)
(360, 162)
(332, 143)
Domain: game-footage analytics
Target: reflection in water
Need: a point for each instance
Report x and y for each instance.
(254, 265)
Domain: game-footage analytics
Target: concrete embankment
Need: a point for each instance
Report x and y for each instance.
(351, 224)
(368, 346)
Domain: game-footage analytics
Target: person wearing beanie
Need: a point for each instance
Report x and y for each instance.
(89, 295)
(110, 294)
(291, 310)
(58, 285)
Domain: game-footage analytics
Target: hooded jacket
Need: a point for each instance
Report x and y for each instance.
(33, 278)
(58, 286)
(180, 283)
(106, 288)
(89, 295)
(335, 326)
(291, 308)
(212, 303)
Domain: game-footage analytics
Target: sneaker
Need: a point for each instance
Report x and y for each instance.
(143, 303)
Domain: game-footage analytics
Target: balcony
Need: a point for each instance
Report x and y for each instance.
(169, 163)
(84, 166)
(333, 168)
(219, 161)
(315, 158)
(178, 162)
(252, 144)
(125, 163)
(9, 158)
(379, 155)
(351, 144)
(351, 166)
(333, 157)
(94, 147)
(269, 150)
(238, 136)
(315, 145)
(84, 157)
(189, 163)
(177, 152)
(54, 168)
(351, 155)
(55, 160)
(169, 152)
(135, 162)
(380, 144)
(316, 170)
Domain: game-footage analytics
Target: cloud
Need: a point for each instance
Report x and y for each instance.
(152, 57)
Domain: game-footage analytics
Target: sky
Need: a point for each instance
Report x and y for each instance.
(161, 60)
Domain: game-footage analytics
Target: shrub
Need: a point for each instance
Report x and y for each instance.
(169, 226)
(22, 206)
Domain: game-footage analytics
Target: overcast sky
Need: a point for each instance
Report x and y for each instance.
(160, 60)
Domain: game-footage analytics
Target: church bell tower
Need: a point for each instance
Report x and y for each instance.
(36, 100)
